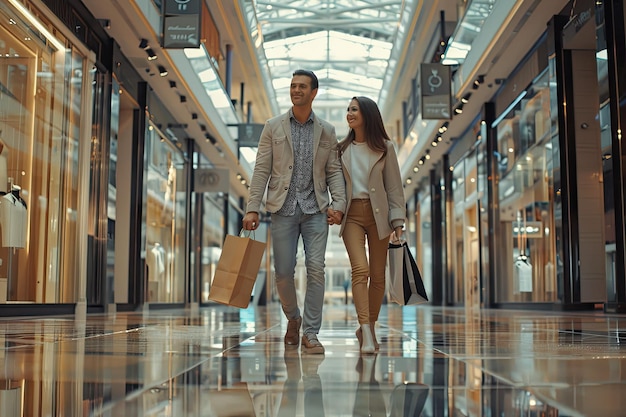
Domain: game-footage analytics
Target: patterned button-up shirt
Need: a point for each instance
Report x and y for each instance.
(301, 189)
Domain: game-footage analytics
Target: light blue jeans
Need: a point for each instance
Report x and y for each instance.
(286, 231)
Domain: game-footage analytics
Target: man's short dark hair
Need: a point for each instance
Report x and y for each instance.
(310, 74)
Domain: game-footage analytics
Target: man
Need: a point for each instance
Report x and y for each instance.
(298, 164)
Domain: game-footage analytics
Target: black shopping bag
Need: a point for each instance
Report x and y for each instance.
(404, 283)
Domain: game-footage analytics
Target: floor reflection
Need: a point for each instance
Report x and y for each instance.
(229, 362)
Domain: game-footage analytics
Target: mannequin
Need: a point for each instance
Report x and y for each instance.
(155, 260)
(13, 218)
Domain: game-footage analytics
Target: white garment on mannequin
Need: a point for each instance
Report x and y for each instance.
(13, 218)
(156, 262)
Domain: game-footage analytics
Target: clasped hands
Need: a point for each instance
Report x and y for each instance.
(333, 216)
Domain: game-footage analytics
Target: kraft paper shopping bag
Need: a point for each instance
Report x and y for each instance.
(237, 271)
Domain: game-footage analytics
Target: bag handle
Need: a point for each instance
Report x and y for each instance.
(250, 233)
(400, 241)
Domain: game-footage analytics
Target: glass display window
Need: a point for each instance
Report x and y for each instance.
(45, 123)
(165, 219)
(525, 203)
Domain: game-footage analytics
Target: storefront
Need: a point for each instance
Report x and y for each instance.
(46, 76)
(533, 190)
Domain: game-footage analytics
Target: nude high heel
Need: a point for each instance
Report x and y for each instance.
(368, 339)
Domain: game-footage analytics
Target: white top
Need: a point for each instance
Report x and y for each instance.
(13, 219)
(156, 263)
(361, 160)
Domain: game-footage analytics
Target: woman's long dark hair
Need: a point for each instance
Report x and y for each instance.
(374, 128)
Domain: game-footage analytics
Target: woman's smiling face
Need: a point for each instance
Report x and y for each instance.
(353, 117)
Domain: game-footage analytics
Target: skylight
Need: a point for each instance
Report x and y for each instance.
(347, 43)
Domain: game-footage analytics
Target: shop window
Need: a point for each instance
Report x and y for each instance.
(44, 124)
(525, 241)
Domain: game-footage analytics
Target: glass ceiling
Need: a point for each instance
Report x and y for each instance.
(347, 43)
(460, 43)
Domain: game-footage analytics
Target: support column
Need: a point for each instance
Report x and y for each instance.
(437, 241)
(229, 69)
(488, 283)
(615, 26)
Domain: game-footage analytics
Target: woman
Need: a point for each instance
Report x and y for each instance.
(375, 210)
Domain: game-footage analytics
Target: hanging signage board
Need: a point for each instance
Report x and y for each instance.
(435, 91)
(249, 134)
(211, 180)
(181, 24)
(181, 31)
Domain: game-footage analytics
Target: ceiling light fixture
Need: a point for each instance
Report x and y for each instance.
(210, 138)
(143, 44)
(151, 54)
(162, 71)
(478, 81)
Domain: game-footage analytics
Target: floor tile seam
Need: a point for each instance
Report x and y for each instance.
(254, 335)
(528, 388)
(531, 388)
(139, 392)
(115, 333)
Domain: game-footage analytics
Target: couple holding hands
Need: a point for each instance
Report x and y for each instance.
(313, 181)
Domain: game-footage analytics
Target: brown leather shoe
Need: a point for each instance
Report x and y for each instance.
(292, 337)
(310, 344)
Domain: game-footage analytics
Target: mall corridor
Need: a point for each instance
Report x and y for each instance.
(129, 137)
(223, 361)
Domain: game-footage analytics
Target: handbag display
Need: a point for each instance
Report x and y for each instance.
(404, 283)
(237, 270)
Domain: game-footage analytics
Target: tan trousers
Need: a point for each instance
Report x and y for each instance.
(368, 269)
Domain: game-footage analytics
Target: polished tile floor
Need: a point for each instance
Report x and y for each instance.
(224, 361)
